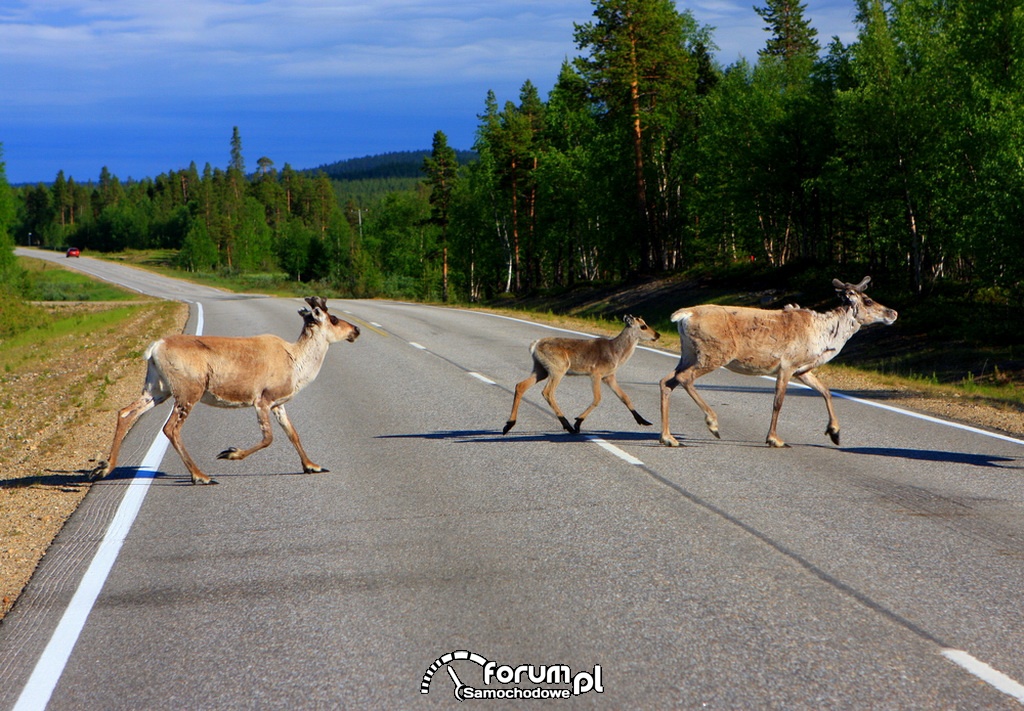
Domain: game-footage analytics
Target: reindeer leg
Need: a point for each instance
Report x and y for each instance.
(263, 416)
(308, 466)
(690, 368)
(538, 374)
(614, 385)
(595, 381)
(153, 393)
(549, 395)
(780, 394)
(811, 380)
(667, 385)
(172, 428)
(710, 418)
(126, 418)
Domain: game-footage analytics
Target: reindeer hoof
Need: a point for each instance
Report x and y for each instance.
(576, 427)
(101, 470)
(776, 443)
(315, 469)
(639, 419)
(508, 425)
(205, 481)
(229, 453)
(669, 441)
(565, 424)
(833, 435)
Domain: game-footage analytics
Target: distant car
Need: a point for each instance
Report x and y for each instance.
(74, 252)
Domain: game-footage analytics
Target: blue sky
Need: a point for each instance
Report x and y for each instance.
(144, 86)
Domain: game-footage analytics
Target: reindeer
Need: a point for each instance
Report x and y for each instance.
(263, 372)
(788, 343)
(597, 357)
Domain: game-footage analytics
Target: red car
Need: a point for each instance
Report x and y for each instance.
(74, 252)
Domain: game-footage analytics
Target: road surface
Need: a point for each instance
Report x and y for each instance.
(885, 573)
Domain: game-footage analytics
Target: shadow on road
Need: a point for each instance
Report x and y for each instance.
(931, 455)
(484, 436)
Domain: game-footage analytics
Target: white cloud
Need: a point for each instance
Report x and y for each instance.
(96, 72)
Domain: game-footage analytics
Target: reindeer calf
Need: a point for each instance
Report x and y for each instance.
(597, 357)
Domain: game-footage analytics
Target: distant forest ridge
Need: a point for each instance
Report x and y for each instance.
(397, 164)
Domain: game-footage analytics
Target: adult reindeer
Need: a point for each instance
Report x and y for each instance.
(597, 357)
(787, 343)
(263, 372)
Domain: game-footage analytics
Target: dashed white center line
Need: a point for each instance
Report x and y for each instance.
(986, 673)
(620, 453)
(965, 661)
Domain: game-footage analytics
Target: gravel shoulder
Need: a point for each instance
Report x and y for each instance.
(59, 413)
(58, 420)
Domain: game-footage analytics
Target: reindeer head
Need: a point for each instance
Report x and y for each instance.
(863, 309)
(646, 333)
(316, 316)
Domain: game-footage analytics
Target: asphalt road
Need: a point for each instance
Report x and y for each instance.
(885, 573)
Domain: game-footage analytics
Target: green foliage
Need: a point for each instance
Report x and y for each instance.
(18, 316)
(900, 154)
(198, 251)
(10, 272)
(397, 165)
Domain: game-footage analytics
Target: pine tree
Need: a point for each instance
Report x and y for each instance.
(792, 35)
(441, 168)
(237, 162)
(640, 68)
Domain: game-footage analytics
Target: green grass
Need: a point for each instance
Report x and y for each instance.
(35, 344)
(45, 281)
(17, 316)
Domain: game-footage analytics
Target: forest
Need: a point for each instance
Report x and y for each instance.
(901, 153)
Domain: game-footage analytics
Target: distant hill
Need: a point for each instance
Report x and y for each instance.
(399, 164)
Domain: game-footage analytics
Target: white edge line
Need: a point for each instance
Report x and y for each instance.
(50, 665)
(986, 673)
(620, 453)
(929, 418)
(481, 378)
(909, 413)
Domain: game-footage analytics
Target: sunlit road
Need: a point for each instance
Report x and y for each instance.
(885, 573)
